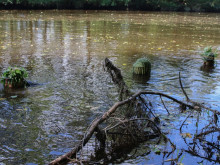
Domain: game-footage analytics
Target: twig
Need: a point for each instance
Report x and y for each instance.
(184, 122)
(130, 120)
(214, 129)
(215, 146)
(195, 103)
(175, 160)
(212, 110)
(151, 136)
(203, 157)
(181, 85)
(164, 105)
(144, 102)
(167, 96)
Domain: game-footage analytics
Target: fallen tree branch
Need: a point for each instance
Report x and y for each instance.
(124, 93)
(64, 159)
(117, 78)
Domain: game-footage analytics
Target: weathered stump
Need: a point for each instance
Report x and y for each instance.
(209, 61)
(142, 67)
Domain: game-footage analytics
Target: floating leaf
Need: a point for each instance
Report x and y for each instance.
(186, 135)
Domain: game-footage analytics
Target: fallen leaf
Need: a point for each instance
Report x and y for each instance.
(186, 135)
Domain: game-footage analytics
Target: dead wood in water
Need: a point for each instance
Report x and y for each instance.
(131, 124)
(72, 154)
(117, 78)
(196, 105)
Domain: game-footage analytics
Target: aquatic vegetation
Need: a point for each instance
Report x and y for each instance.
(209, 54)
(14, 77)
(209, 58)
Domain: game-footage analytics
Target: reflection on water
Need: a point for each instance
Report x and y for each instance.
(65, 50)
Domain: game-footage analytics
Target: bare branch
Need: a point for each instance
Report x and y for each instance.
(184, 122)
(164, 105)
(181, 85)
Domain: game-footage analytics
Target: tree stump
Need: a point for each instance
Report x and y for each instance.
(142, 67)
(209, 61)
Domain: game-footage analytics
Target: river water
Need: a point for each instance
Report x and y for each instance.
(64, 51)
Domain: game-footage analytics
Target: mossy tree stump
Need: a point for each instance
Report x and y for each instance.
(209, 61)
(142, 67)
(209, 57)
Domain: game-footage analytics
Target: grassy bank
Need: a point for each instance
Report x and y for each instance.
(159, 5)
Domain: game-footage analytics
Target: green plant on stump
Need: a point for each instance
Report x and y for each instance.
(14, 77)
(142, 67)
(209, 56)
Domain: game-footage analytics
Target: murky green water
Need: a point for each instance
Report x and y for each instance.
(64, 50)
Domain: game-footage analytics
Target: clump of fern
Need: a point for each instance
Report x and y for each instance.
(209, 54)
(14, 77)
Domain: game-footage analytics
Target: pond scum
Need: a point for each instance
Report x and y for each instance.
(131, 121)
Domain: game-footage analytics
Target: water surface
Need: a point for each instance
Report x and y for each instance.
(64, 50)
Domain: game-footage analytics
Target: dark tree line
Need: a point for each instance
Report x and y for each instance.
(155, 5)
